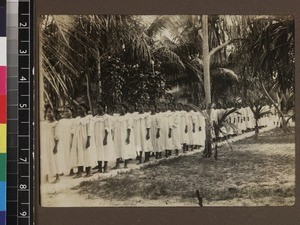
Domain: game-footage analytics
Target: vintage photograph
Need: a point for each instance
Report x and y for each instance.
(166, 110)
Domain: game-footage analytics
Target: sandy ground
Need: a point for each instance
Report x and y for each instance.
(63, 194)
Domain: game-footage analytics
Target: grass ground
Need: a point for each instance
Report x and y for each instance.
(253, 172)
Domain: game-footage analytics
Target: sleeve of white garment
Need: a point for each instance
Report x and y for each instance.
(57, 131)
(73, 128)
(158, 120)
(170, 118)
(107, 123)
(176, 118)
(148, 121)
(129, 122)
(91, 126)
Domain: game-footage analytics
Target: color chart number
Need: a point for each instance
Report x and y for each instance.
(23, 186)
(23, 160)
(23, 24)
(23, 79)
(23, 213)
(22, 105)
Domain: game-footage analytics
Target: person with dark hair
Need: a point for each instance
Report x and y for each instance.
(153, 130)
(63, 139)
(174, 121)
(81, 155)
(139, 132)
(168, 126)
(191, 126)
(146, 137)
(160, 142)
(183, 127)
(123, 137)
(49, 165)
(131, 150)
(101, 139)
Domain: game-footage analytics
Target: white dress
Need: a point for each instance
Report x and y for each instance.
(153, 132)
(175, 118)
(80, 155)
(202, 124)
(136, 118)
(191, 120)
(160, 120)
(100, 124)
(165, 143)
(240, 117)
(63, 133)
(109, 151)
(145, 124)
(183, 123)
(122, 149)
(196, 134)
(48, 162)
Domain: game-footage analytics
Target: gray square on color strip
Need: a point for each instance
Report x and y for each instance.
(12, 33)
(12, 46)
(12, 97)
(12, 59)
(12, 20)
(12, 112)
(12, 7)
(12, 71)
(12, 83)
(13, 126)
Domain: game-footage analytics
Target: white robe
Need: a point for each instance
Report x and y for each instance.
(164, 124)
(153, 132)
(100, 124)
(48, 161)
(122, 149)
(174, 120)
(183, 123)
(80, 155)
(141, 123)
(160, 123)
(202, 133)
(63, 134)
(191, 121)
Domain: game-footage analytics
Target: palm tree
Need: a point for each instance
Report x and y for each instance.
(193, 48)
(81, 43)
(270, 45)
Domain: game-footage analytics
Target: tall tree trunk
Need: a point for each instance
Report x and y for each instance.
(207, 85)
(256, 128)
(88, 91)
(99, 75)
(41, 76)
(88, 82)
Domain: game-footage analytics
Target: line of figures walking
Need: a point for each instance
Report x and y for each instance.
(69, 145)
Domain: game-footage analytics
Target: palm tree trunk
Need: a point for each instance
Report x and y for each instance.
(99, 75)
(88, 82)
(88, 91)
(41, 78)
(207, 85)
(256, 128)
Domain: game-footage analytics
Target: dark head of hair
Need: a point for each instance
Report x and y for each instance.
(70, 108)
(83, 106)
(171, 104)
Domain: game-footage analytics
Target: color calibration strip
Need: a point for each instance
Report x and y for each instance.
(12, 111)
(19, 127)
(3, 69)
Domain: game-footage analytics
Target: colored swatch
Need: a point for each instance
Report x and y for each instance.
(3, 77)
